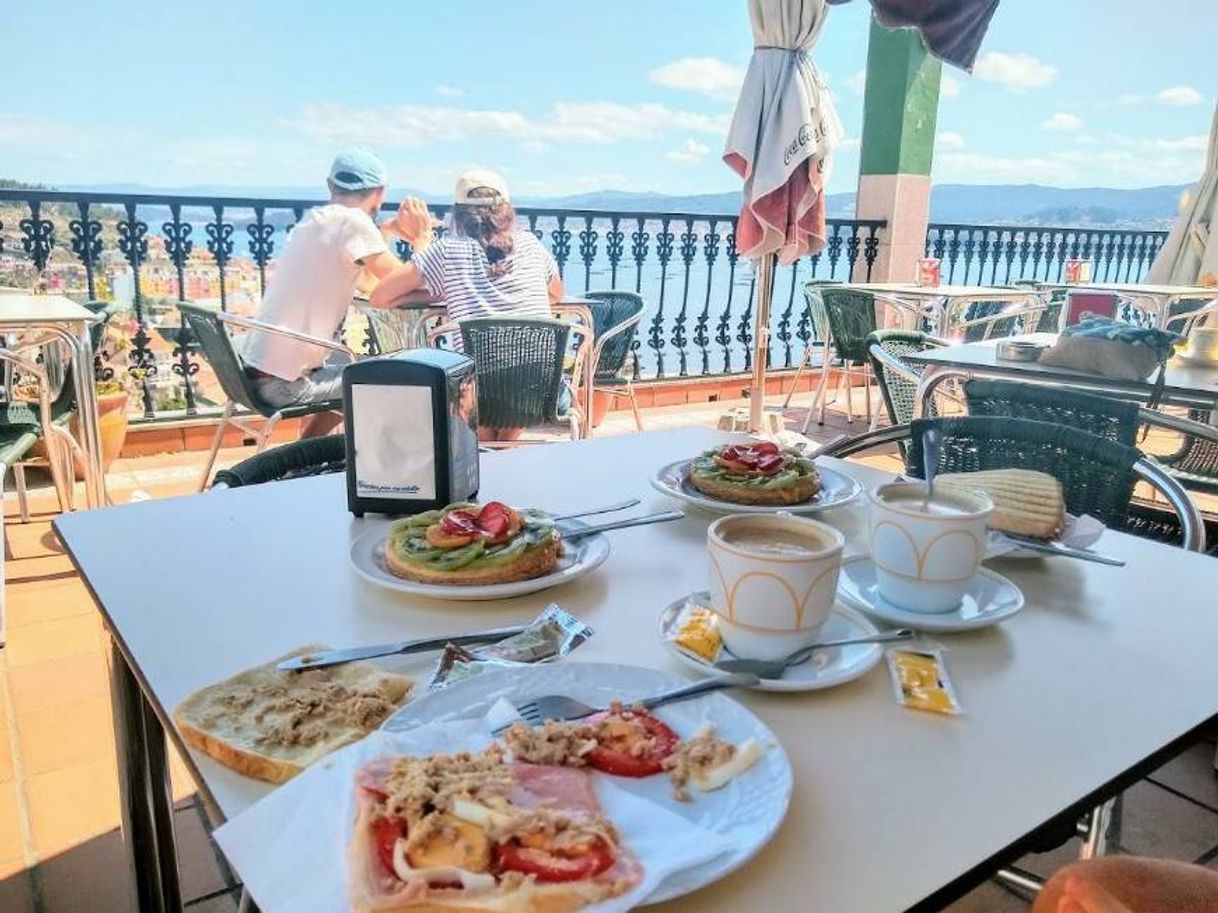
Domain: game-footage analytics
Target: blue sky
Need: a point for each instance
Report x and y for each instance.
(567, 96)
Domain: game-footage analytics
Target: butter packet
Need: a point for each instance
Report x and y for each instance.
(696, 632)
(552, 634)
(921, 682)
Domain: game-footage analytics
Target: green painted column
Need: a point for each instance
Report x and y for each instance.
(900, 106)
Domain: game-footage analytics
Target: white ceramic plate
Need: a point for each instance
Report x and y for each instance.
(748, 810)
(1077, 532)
(826, 668)
(581, 556)
(990, 599)
(836, 490)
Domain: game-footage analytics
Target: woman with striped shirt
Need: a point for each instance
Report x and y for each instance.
(484, 267)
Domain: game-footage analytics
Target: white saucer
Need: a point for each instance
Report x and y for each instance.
(837, 490)
(826, 668)
(990, 599)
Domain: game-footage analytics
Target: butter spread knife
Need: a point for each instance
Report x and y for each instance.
(1065, 551)
(569, 533)
(336, 657)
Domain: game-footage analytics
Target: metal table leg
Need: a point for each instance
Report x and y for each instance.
(145, 793)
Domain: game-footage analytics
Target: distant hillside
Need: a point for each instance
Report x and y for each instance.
(1012, 204)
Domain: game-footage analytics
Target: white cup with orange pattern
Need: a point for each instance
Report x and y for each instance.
(926, 553)
(773, 579)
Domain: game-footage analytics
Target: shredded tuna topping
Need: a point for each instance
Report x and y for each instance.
(308, 708)
(550, 743)
(419, 786)
(694, 757)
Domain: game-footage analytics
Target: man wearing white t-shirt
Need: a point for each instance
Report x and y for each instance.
(314, 282)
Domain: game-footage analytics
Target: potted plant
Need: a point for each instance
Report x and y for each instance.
(113, 398)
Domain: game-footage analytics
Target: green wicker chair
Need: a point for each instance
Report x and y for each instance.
(615, 319)
(210, 328)
(300, 459)
(849, 318)
(1097, 474)
(817, 327)
(897, 379)
(1194, 464)
(519, 367)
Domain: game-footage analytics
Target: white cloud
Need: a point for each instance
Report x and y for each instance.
(970, 167)
(416, 125)
(949, 86)
(449, 91)
(1180, 97)
(706, 75)
(1066, 123)
(1016, 72)
(949, 140)
(689, 151)
(858, 82)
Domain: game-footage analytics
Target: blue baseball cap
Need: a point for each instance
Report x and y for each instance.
(358, 169)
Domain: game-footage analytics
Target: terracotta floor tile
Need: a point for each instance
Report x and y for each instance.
(198, 866)
(1192, 773)
(1157, 823)
(6, 746)
(16, 890)
(180, 780)
(35, 643)
(12, 840)
(54, 683)
(62, 595)
(65, 736)
(72, 805)
(989, 898)
(89, 876)
(225, 903)
(31, 540)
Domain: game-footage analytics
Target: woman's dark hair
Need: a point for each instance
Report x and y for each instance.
(493, 226)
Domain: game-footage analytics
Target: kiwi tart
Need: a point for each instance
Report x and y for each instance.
(473, 544)
(759, 473)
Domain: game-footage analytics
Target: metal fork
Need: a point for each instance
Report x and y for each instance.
(560, 707)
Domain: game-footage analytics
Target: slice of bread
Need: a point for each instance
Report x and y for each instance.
(536, 562)
(1026, 502)
(799, 491)
(235, 721)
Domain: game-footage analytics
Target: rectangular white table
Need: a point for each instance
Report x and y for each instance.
(1104, 675)
(940, 300)
(1157, 299)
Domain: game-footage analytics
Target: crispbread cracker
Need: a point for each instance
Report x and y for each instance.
(214, 721)
(1026, 502)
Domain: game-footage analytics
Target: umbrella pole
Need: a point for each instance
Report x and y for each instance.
(761, 338)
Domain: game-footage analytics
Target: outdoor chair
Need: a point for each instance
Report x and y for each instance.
(615, 320)
(816, 330)
(897, 379)
(211, 329)
(519, 364)
(392, 330)
(297, 460)
(1194, 463)
(850, 316)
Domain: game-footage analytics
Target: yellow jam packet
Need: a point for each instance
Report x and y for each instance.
(920, 680)
(699, 634)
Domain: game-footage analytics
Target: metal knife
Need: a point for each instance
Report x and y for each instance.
(568, 533)
(336, 657)
(1065, 551)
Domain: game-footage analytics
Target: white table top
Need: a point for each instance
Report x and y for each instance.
(17, 311)
(944, 291)
(1138, 288)
(1102, 669)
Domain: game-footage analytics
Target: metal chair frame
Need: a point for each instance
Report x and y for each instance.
(894, 363)
(582, 334)
(242, 421)
(597, 349)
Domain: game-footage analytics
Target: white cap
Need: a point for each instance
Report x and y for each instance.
(480, 179)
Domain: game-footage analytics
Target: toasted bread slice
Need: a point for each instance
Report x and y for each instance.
(239, 721)
(536, 562)
(1026, 502)
(797, 492)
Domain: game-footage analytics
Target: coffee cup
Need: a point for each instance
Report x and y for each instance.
(773, 580)
(926, 552)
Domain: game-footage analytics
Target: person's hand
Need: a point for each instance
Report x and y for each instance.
(1081, 895)
(414, 221)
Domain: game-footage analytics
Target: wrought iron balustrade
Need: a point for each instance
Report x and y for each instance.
(151, 250)
(1000, 254)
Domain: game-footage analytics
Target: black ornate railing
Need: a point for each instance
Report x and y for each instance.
(143, 250)
(995, 254)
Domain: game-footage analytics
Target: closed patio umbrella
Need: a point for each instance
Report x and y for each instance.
(1190, 253)
(782, 134)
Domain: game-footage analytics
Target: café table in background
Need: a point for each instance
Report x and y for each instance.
(1156, 300)
(1185, 384)
(943, 305)
(1102, 677)
(38, 319)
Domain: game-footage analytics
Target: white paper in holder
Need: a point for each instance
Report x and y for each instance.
(394, 445)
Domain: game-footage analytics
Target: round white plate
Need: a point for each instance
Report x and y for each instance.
(826, 668)
(748, 810)
(990, 599)
(836, 490)
(1077, 532)
(581, 556)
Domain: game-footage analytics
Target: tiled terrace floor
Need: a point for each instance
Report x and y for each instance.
(60, 849)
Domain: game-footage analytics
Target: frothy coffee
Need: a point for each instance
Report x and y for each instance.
(774, 540)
